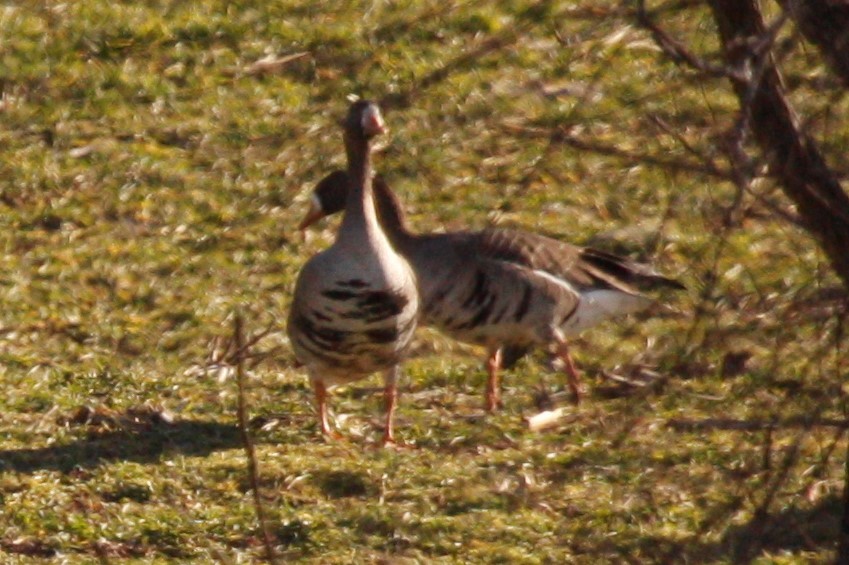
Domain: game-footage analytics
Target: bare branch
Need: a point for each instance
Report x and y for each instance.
(250, 452)
(673, 48)
(794, 158)
(565, 136)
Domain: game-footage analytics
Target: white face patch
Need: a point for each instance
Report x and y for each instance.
(315, 203)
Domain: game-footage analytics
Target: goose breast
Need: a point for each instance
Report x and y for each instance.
(354, 315)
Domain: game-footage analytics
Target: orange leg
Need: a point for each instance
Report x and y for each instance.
(571, 372)
(321, 404)
(493, 387)
(390, 399)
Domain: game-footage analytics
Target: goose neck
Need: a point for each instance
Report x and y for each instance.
(391, 214)
(359, 205)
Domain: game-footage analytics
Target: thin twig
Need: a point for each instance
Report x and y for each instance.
(253, 339)
(224, 351)
(253, 474)
(688, 147)
(563, 135)
(673, 48)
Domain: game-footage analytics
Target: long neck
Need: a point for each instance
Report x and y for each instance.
(359, 206)
(391, 214)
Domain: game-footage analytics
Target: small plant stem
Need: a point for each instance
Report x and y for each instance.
(253, 475)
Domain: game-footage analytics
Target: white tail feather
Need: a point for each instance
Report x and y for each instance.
(599, 305)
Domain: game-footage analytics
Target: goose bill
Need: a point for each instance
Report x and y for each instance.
(372, 121)
(314, 213)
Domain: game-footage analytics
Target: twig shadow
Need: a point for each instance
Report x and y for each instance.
(145, 445)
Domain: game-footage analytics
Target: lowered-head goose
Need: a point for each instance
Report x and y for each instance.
(505, 289)
(355, 304)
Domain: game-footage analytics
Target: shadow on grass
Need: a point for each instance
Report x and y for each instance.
(139, 445)
(792, 531)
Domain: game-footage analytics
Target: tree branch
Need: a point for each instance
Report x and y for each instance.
(793, 157)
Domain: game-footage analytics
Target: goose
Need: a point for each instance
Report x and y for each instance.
(505, 289)
(355, 304)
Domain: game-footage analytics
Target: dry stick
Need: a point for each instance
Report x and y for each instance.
(225, 351)
(272, 64)
(253, 475)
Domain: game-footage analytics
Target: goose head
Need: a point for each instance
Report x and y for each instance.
(327, 198)
(364, 120)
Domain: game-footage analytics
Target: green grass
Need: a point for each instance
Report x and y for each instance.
(150, 185)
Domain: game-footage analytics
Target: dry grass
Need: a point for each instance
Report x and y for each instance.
(152, 173)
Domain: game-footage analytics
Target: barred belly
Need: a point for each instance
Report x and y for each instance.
(353, 330)
(475, 310)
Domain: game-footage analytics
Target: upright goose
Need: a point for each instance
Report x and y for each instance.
(507, 290)
(355, 304)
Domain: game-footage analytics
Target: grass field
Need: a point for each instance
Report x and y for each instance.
(154, 162)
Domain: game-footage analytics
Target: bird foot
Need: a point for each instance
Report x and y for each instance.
(576, 397)
(492, 404)
(392, 443)
(331, 436)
